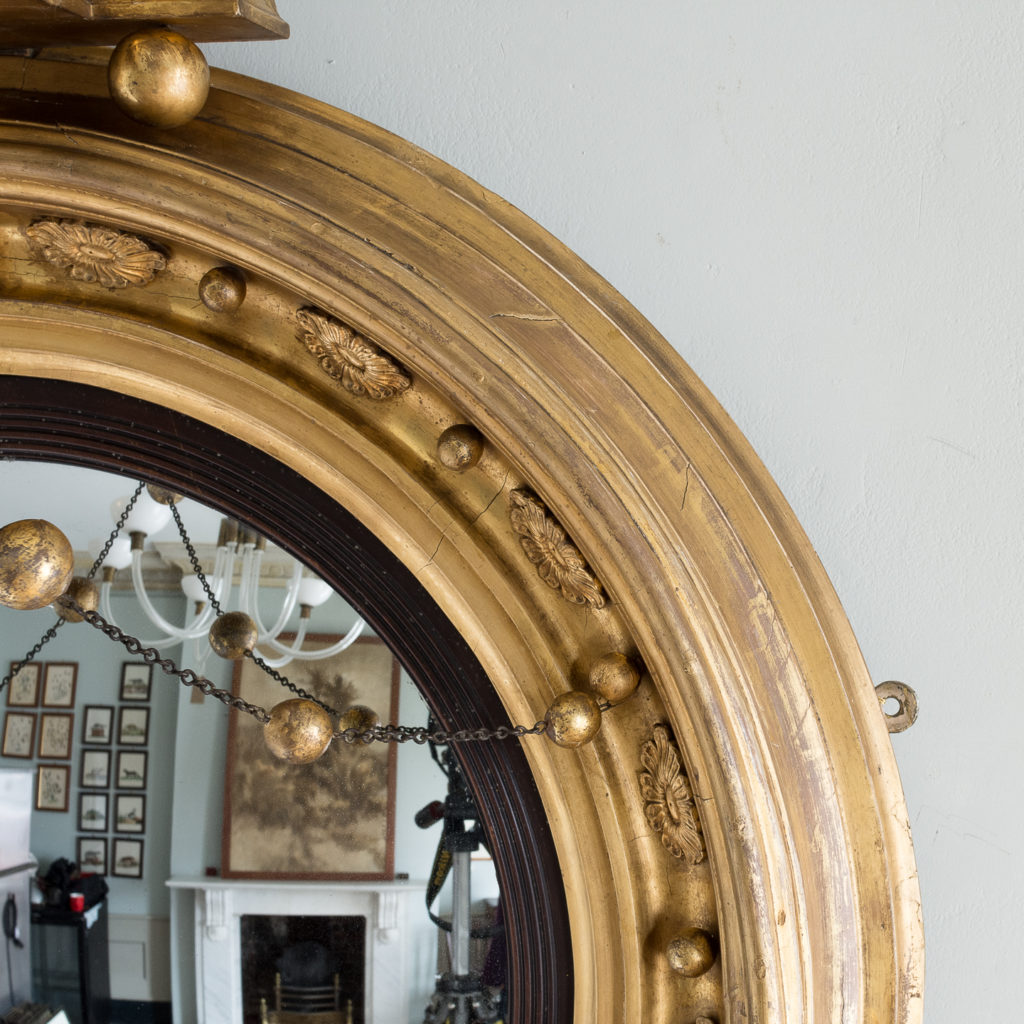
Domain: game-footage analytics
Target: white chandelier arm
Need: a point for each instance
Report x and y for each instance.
(251, 597)
(286, 655)
(175, 633)
(107, 611)
(295, 651)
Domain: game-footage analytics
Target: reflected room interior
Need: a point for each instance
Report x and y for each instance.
(214, 852)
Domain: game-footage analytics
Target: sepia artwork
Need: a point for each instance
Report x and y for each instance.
(92, 855)
(52, 787)
(55, 735)
(131, 770)
(126, 861)
(97, 724)
(23, 689)
(92, 812)
(129, 812)
(59, 681)
(95, 773)
(19, 734)
(133, 727)
(136, 680)
(334, 818)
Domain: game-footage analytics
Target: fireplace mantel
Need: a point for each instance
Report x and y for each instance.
(401, 942)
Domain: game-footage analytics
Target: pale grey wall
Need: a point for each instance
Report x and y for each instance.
(820, 205)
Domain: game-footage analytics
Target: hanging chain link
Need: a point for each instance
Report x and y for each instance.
(194, 558)
(421, 735)
(287, 683)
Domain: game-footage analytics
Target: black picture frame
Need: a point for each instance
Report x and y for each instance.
(98, 724)
(126, 860)
(130, 813)
(131, 769)
(94, 770)
(93, 812)
(133, 726)
(136, 682)
(91, 854)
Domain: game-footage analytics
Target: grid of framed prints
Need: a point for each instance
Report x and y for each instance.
(112, 758)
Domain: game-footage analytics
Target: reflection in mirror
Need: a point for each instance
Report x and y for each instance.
(232, 875)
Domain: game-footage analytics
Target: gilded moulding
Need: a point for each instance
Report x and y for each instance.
(349, 358)
(558, 561)
(96, 254)
(668, 799)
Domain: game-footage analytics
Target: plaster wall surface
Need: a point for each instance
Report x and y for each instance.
(821, 206)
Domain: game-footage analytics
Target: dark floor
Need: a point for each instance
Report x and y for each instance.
(124, 1012)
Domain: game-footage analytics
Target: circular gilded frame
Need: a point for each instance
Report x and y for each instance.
(613, 508)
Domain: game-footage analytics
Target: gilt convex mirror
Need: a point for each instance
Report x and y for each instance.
(656, 532)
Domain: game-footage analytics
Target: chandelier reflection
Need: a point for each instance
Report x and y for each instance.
(237, 568)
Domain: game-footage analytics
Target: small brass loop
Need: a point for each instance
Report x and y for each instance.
(905, 717)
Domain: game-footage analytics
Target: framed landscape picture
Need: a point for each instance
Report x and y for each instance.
(92, 855)
(334, 818)
(126, 861)
(23, 689)
(52, 785)
(98, 724)
(133, 727)
(129, 812)
(19, 734)
(131, 770)
(59, 678)
(95, 773)
(136, 680)
(55, 735)
(92, 812)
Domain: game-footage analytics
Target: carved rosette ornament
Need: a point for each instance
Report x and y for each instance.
(557, 559)
(348, 357)
(96, 254)
(669, 805)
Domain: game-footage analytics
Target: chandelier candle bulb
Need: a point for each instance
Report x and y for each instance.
(573, 719)
(299, 731)
(36, 564)
(84, 593)
(233, 635)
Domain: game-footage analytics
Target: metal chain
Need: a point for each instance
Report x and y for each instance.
(119, 526)
(17, 666)
(421, 735)
(194, 559)
(287, 683)
(151, 656)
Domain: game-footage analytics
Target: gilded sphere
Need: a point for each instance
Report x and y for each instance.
(158, 77)
(299, 731)
(36, 564)
(84, 593)
(691, 954)
(613, 677)
(222, 289)
(460, 447)
(573, 718)
(233, 635)
(358, 716)
(163, 495)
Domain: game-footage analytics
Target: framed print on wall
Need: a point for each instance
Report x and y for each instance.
(92, 855)
(19, 734)
(23, 689)
(52, 785)
(92, 812)
(95, 773)
(133, 727)
(131, 770)
(55, 735)
(98, 723)
(127, 859)
(334, 818)
(136, 681)
(59, 679)
(129, 812)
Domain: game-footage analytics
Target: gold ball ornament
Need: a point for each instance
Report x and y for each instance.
(84, 593)
(158, 77)
(36, 564)
(460, 447)
(692, 953)
(613, 677)
(233, 635)
(222, 289)
(358, 716)
(163, 495)
(573, 718)
(299, 731)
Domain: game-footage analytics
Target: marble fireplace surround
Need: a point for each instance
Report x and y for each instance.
(401, 943)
